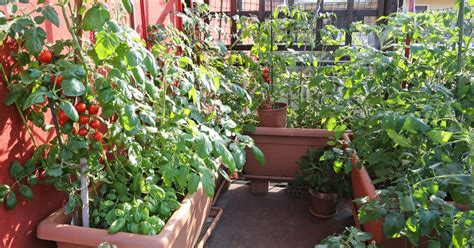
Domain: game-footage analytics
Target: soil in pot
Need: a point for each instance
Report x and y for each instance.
(273, 117)
(323, 205)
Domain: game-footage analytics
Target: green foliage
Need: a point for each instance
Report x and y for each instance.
(172, 117)
(351, 237)
(322, 171)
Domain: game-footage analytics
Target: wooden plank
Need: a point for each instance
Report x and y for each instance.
(339, 13)
(281, 47)
(261, 10)
(233, 25)
(349, 19)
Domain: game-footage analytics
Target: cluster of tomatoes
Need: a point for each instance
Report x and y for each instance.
(88, 120)
(47, 57)
(266, 76)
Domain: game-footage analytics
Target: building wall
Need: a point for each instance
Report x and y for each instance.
(436, 4)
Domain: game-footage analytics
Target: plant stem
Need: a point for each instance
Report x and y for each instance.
(55, 122)
(75, 39)
(439, 177)
(106, 161)
(25, 123)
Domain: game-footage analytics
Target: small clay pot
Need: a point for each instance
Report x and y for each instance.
(323, 205)
(274, 117)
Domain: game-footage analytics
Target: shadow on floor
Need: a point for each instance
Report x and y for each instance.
(272, 220)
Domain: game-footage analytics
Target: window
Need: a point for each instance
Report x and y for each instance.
(421, 8)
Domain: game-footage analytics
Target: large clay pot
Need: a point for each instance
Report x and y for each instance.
(275, 117)
(323, 205)
(282, 147)
(181, 230)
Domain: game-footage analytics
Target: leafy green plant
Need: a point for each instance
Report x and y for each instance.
(351, 237)
(323, 171)
(422, 213)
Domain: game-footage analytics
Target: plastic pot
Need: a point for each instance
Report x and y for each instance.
(275, 117)
(181, 231)
(323, 205)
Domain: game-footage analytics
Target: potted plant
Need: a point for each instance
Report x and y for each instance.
(149, 157)
(322, 171)
(282, 146)
(271, 113)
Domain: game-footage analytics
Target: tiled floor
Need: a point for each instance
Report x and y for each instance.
(273, 220)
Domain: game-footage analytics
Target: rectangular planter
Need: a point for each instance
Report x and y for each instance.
(282, 147)
(362, 186)
(181, 230)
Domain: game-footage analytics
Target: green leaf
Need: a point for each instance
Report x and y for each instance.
(4, 189)
(70, 111)
(158, 193)
(434, 244)
(127, 4)
(406, 203)
(393, 224)
(204, 146)
(150, 64)
(73, 87)
(96, 17)
(438, 136)
(117, 225)
(427, 221)
(16, 170)
(29, 167)
(105, 45)
(34, 40)
(38, 96)
(26, 192)
(185, 61)
(193, 182)
(208, 184)
(54, 171)
(30, 76)
(239, 158)
(399, 139)
(227, 158)
(14, 94)
(50, 14)
(258, 154)
(414, 124)
(32, 180)
(10, 200)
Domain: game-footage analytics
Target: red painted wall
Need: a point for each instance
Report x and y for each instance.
(18, 226)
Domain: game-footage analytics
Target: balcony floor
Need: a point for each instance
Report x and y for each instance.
(272, 220)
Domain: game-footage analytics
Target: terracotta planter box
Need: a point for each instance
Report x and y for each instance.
(181, 230)
(282, 147)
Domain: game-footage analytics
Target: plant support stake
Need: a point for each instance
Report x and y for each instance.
(84, 193)
(461, 33)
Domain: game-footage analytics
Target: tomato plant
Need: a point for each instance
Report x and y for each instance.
(156, 146)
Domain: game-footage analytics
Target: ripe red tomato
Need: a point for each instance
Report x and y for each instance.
(94, 124)
(62, 122)
(93, 109)
(74, 130)
(266, 70)
(62, 116)
(80, 107)
(83, 119)
(56, 80)
(83, 132)
(46, 56)
(98, 136)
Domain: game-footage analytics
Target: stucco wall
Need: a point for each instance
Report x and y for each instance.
(436, 4)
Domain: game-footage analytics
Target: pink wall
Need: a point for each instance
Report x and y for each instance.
(18, 226)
